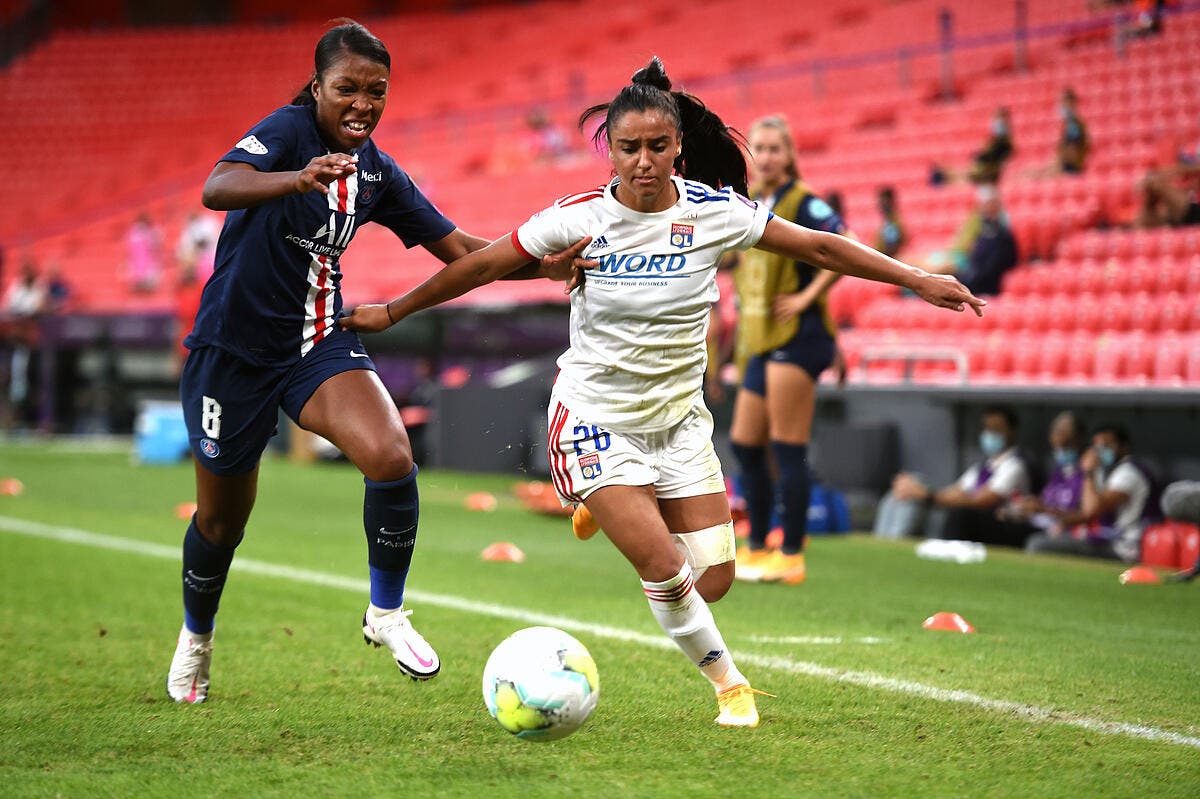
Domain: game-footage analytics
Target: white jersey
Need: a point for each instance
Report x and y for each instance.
(637, 355)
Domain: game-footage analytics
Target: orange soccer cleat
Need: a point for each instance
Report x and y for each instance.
(781, 568)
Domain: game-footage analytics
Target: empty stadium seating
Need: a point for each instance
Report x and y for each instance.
(138, 116)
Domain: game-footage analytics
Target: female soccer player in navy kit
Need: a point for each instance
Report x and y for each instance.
(297, 187)
(785, 339)
(629, 433)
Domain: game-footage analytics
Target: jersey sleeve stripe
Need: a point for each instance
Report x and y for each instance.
(516, 242)
(575, 199)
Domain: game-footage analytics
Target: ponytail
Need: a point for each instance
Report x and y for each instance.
(713, 153)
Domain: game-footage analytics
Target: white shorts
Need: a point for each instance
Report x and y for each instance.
(679, 462)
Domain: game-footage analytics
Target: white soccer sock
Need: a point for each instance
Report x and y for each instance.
(684, 615)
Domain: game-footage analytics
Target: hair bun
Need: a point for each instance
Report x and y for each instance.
(653, 74)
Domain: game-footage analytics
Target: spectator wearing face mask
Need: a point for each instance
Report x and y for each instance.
(968, 508)
(1118, 501)
(984, 247)
(1063, 492)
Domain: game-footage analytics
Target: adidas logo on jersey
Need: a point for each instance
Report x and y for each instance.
(252, 145)
(600, 244)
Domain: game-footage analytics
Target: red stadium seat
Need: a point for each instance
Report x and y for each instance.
(1144, 312)
(1175, 312)
(1090, 311)
(1139, 352)
(1050, 363)
(1139, 274)
(1160, 546)
(1117, 312)
(1172, 275)
(1169, 365)
(1189, 544)
(1018, 282)
(1080, 358)
(1091, 275)
(1109, 360)
(1060, 313)
(995, 361)
(1192, 359)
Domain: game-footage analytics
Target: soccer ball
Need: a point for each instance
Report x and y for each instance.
(540, 684)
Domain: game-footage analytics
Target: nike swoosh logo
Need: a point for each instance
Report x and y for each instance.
(421, 660)
(354, 354)
(200, 579)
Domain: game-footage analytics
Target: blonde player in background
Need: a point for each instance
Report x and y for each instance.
(629, 432)
(785, 340)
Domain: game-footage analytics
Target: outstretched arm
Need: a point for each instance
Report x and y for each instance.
(563, 265)
(475, 269)
(840, 254)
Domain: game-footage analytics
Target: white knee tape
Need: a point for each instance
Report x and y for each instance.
(707, 547)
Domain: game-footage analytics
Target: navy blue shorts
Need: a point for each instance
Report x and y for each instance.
(231, 406)
(812, 349)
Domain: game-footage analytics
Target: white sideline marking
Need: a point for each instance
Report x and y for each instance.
(815, 639)
(864, 679)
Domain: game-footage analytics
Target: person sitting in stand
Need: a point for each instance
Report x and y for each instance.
(1063, 492)
(1118, 502)
(892, 236)
(966, 509)
(989, 162)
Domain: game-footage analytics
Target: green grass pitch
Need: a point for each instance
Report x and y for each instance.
(869, 704)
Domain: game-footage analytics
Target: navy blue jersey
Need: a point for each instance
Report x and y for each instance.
(814, 213)
(275, 289)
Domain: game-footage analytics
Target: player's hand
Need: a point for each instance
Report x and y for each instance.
(789, 306)
(568, 266)
(1089, 461)
(323, 170)
(945, 291)
(366, 319)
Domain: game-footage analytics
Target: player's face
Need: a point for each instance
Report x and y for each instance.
(770, 156)
(643, 146)
(350, 99)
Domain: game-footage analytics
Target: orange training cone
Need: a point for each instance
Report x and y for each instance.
(502, 552)
(11, 487)
(184, 510)
(481, 500)
(1140, 574)
(951, 622)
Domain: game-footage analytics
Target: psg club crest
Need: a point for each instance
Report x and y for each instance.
(590, 465)
(210, 447)
(681, 235)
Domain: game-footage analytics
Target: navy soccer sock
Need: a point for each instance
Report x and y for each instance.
(205, 567)
(390, 520)
(795, 484)
(757, 491)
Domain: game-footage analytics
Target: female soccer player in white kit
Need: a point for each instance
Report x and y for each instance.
(629, 433)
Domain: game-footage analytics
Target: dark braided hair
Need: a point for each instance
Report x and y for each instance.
(712, 151)
(347, 37)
